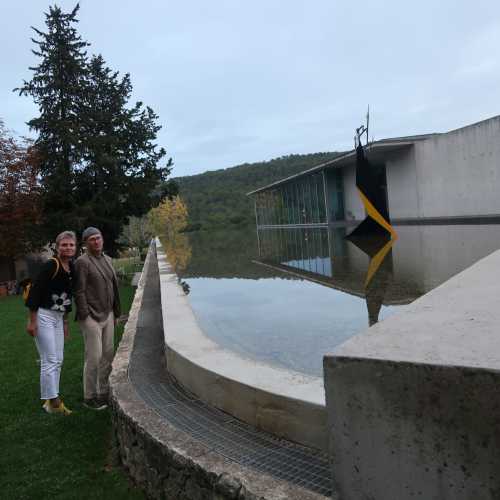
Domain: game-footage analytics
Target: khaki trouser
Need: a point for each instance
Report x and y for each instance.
(99, 351)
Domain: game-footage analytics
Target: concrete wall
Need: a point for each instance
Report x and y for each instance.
(353, 206)
(402, 185)
(414, 402)
(287, 404)
(431, 254)
(458, 173)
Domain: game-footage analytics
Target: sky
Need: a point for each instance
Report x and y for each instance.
(238, 81)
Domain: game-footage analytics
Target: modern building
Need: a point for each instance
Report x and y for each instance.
(423, 178)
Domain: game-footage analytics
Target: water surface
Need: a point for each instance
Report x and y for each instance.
(288, 296)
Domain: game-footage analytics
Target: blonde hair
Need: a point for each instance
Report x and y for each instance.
(64, 236)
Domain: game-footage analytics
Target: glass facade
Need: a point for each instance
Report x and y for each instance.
(301, 201)
(306, 249)
(335, 190)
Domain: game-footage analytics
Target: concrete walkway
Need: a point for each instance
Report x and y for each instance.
(219, 432)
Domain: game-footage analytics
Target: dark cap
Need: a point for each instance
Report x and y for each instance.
(90, 231)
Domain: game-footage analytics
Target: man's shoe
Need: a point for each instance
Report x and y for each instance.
(94, 404)
(61, 409)
(103, 399)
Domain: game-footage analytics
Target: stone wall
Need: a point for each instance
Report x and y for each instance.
(167, 467)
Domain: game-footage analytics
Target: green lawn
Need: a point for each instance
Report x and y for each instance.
(126, 267)
(47, 456)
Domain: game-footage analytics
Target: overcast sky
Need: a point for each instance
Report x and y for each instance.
(238, 81)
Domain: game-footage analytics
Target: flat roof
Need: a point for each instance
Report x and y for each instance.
(378, 148)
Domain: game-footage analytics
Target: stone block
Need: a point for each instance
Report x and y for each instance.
(414, 402)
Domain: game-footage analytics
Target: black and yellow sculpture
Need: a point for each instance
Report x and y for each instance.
(379, 273)
(372, 193)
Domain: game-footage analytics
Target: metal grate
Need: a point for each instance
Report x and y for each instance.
(219, 432)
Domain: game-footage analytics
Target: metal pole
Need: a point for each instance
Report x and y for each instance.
(367, 124)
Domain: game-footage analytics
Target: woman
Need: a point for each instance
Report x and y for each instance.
(49, 301)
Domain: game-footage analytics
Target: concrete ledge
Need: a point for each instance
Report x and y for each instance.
(287, 404)
(414, 402)
(168, 463)
(448, 220)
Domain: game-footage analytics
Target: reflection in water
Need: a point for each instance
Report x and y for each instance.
(379, 272)
(184, 285)
(276, 312)
(178, 250)
(322, 255)
(377, 259)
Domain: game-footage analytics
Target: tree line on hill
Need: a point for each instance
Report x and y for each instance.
(217, 199)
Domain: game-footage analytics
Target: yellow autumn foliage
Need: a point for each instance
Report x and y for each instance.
(169, 218)
(178, 251)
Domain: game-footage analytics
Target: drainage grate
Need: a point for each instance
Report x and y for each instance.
(218, 431)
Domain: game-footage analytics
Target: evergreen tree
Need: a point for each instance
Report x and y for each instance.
(56, 88)
(120, 169)
(101, 161)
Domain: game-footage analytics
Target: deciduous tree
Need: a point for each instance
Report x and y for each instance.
(137, 233)
(19, 195)
(170, 217)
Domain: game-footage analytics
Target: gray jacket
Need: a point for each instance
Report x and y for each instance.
(91, 290)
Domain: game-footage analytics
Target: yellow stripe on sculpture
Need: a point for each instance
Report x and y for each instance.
(377, 260)
(376, 215)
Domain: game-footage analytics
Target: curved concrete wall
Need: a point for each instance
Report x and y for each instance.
(285, 403)
(167, 462)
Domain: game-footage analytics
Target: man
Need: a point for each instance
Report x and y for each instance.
(97, 309)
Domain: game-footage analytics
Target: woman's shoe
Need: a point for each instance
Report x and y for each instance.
(46, 406)
(61, 409)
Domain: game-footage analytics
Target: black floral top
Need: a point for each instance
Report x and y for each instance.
(52, 290)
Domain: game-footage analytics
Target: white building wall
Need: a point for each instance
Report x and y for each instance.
(353, 205)
(458, 173)
(428, 255)
(402, 185)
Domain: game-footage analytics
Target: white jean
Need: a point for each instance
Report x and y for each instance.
(50, 344)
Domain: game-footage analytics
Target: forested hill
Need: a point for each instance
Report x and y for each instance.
(218, 198)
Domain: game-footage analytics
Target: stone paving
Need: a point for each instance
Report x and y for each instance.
(220, 433)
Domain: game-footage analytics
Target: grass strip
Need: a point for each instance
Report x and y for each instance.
(49, 456)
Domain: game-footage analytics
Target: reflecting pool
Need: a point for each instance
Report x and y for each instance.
(287, 296)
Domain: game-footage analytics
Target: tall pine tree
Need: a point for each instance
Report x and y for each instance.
(99, 157)
(56, 88)
(121, 159)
